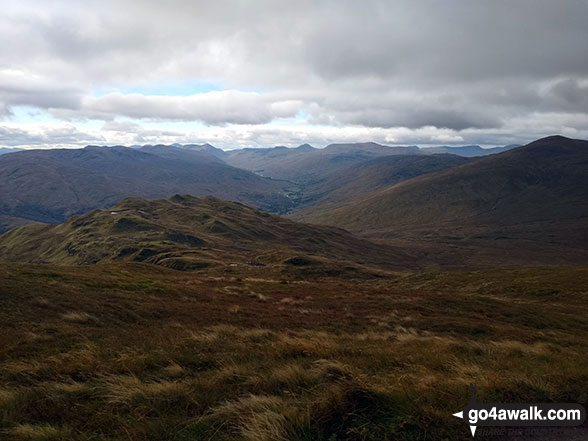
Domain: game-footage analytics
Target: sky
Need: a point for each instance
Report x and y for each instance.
(264, 73)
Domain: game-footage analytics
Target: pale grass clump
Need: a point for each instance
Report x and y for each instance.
(407, 333)
(291, 301)
(216, 334)
(79, 317)
(235, 290)
(515, 346)
(234, 309)
(292, 376)
(258, 279)
(259, 335)
(257, 417)
(370, 336)
(81, 359)
(10, 405)
(42, 301)
(467, 370)
(22, 367)
(72, 387)
(174, 370)
(128, 388)
(131, 361)
(7, 399)
(331, 369)
(318, 343)
(259, 296)
(231, 374)
(29, 432)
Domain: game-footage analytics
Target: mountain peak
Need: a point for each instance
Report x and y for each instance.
(554, 146)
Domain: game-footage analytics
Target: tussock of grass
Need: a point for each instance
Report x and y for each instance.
(79, 317)
(28, 432)
(256, 418)
(185, 368)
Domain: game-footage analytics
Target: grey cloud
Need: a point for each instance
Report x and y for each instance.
(55, 135)
(215, 108)
(133, 133)
(455, 64)
(414, 118)
(21, 88)
(570, 94)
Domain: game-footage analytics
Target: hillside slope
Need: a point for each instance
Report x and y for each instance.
(362, 180)
(469, 151)
(51, 185)
(187, 232)
(530, 201)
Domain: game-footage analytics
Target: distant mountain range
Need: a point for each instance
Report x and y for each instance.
(305, 165)
(51, 185)
(521, 205)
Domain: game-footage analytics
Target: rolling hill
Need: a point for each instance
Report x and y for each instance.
(51, 185)
(187, 232)
(524, 205)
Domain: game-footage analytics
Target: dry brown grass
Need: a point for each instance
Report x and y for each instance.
(178, 366)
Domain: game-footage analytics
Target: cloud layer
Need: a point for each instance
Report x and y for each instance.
(427, 71)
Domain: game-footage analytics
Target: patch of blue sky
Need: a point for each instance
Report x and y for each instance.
(299, 119)
(34, 115)
(179, 88)
(180, 126)
(29, 114)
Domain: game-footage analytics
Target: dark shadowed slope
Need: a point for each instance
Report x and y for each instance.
(186, 232)
(470, 151)
(530, 201)
(362, 180)
(51, 185)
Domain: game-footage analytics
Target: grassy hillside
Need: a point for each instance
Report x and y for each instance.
(51, 185)
(187, 232)
(527, 204)
(137, 352)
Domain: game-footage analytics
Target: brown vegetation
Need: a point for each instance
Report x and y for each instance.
(139, 352)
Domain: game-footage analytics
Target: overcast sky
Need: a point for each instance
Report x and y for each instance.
(263, 73)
